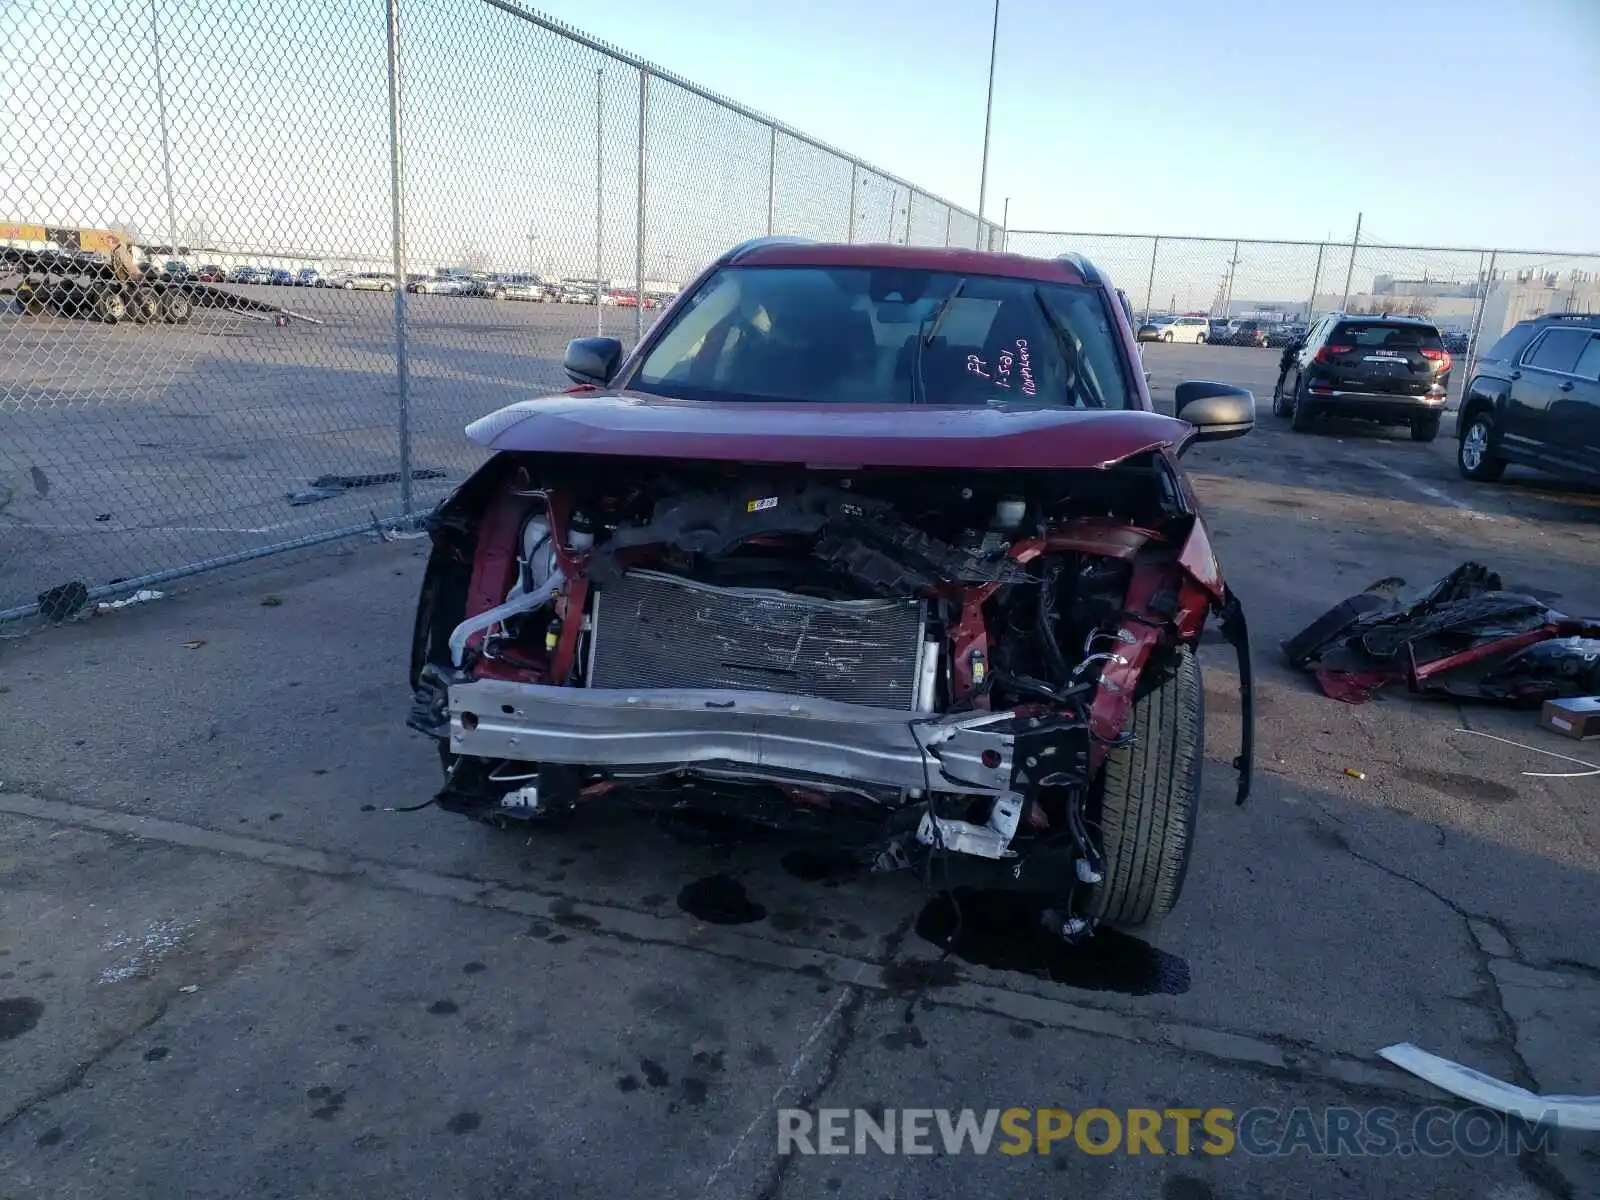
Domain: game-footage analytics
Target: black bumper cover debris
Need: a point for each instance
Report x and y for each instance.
(1467, 636)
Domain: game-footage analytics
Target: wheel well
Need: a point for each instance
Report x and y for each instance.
(1474, 405)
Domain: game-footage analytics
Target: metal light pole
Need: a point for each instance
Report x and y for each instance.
(599, 196)
(1355, 244)
(988, 111)
(161, 116)
(1005, 224)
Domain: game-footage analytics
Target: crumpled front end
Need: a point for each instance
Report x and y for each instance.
(919, 663)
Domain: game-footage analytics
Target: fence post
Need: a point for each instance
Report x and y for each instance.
(397, 217)
(638, 242)
(599, 196)
(947, 225)
(1355, 244)
(1233, 269)
(1150, 287)
(772, 174)
(1486, 282)
(911, 200)
(851, 235)
(1316, 280)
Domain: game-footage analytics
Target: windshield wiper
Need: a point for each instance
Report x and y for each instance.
(1069, 352)
(925, 336)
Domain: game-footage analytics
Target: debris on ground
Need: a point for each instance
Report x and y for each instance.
(1577, 718)
(325, 487)
(1355, 774)
(142, 596)
(1593, 768)
(1467, 636)
(194, 644)
(1565, 1112)
(271, 601)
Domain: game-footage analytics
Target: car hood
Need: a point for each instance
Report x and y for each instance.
(631, 424)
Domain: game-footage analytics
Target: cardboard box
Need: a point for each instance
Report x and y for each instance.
(1577, 718)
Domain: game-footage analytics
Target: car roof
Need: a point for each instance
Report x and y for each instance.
(1386, 318)
(791, 252)
(1580, 319)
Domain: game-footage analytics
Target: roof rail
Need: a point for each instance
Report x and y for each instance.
(1090, 273)
(757, 243)
(1567, 316)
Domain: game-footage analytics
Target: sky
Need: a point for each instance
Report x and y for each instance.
(1444, 122)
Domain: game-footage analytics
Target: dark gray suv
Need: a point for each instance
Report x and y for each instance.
(1392, 370)
(1534, 399)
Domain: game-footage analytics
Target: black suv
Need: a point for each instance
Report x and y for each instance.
(1534, 398)
(1392, 370)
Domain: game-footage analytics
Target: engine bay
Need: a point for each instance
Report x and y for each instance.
(927, 611)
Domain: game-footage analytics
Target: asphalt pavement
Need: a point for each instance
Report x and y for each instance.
(228, 968)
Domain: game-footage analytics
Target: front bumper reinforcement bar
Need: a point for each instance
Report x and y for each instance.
(605, 728)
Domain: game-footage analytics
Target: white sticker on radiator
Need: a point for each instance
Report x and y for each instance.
(761, 505)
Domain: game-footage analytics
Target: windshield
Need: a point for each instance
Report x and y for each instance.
(861, 335)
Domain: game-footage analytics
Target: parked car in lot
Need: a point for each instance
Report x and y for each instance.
(815, 597)
(1240, 333)
(211, 273)
(1392, 370)
(247, 275)
(442, 285)
(627, 299)
(1191, 330)
(309, 277)
(522, 287)
(281, 277)
(1534, 399)
(1285, 334)
(369, 281)
(1153, 329)
(472, 285)
(1459, 344)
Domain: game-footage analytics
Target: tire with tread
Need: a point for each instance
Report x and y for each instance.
(1425, 429)
(1489, 468)
(110, 307)
(1301, 414)
(175, 308)
(1148, 796)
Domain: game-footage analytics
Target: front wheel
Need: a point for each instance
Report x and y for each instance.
(1200, 339)
(349, 286)
(1166, 337)
(1473, 458)
(1148, 796)
(1425, 429)
(388, 287)
(1280, 402)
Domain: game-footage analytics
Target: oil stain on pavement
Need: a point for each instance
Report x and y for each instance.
(18, 1015)
(1002, 931)
(719, 900)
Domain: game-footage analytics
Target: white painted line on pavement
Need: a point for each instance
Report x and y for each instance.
(1427, 489)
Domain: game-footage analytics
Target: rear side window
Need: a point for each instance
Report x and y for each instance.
(1511, 344)
(1379, 335)
(1558, 350)
(1589, 361)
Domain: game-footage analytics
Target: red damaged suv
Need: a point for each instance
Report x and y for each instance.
(881, 543)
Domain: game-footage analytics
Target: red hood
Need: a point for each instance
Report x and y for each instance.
(632, 424)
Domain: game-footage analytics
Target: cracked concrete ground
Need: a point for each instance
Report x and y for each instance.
(226, 969)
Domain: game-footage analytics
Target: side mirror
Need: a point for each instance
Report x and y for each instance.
(592, 359)
(1218, 410)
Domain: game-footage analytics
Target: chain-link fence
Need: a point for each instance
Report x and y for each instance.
(262, 260)
(1472, 295)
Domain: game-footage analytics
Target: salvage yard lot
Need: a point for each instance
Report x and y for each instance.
(226, 968)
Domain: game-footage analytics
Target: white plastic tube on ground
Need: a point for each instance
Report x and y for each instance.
(1567, 1112)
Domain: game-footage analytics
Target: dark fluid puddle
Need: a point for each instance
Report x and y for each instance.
(18, 1015)
(1001, 930)
(719, 900)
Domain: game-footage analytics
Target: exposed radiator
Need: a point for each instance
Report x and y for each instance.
(653, 630)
